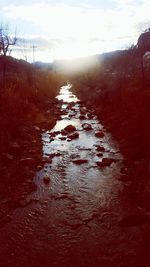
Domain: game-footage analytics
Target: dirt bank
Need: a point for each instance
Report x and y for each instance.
(22, 157)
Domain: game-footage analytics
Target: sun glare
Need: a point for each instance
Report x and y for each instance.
(72, 50)
(80, 31)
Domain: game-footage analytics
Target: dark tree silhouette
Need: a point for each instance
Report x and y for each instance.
(143, 43)
(143, 46)
(6, 40)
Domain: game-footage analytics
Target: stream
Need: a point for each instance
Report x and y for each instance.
(72, 218)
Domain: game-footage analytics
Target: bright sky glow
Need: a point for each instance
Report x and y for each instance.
(67, 28)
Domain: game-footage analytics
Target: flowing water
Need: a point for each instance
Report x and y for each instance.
(72, 218)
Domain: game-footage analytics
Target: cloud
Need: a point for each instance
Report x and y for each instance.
(76, 27)
(62, 21)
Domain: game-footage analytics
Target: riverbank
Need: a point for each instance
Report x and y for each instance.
(126, 117)
(22, 158)
(28, 107)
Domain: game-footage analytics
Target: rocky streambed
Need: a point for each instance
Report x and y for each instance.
(81, 213)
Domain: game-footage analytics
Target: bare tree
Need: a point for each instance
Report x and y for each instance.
(6, 40)
(143, 46)
(6, 43)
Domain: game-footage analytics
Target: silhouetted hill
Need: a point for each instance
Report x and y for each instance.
(43, 65)
(13, 63)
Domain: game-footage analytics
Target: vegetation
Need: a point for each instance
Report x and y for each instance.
(6, 40)
(27, 105)
(118, 89)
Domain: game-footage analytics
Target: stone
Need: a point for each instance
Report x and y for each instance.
(52, 155)
(74, 135)
(99, 134)
(87, 126)
(80, 161)
(46, 180)
(70, 128)
(99, 155)
(53, 134)
(82, 117)
(62, 138)
(59, 118)
(106, 162)
(63, 132)
(100, 149)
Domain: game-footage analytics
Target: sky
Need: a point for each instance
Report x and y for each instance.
(64, 29)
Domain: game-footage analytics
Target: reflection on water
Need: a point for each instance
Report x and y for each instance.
(66, 95)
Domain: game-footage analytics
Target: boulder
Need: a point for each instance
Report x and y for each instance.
(106, 162)
(100, 148)
(80, 161)
(87, 126)
(62, 138)
(63, 132)
(74, 135)
(53, 134)
(70, 128)
(99, 134)
(99, 155)
(52, 155)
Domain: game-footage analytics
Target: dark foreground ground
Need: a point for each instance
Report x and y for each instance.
(21, 156)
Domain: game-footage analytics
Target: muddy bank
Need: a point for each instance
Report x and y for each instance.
(21, 156)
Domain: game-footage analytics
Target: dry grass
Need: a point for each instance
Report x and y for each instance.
(22, 102)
